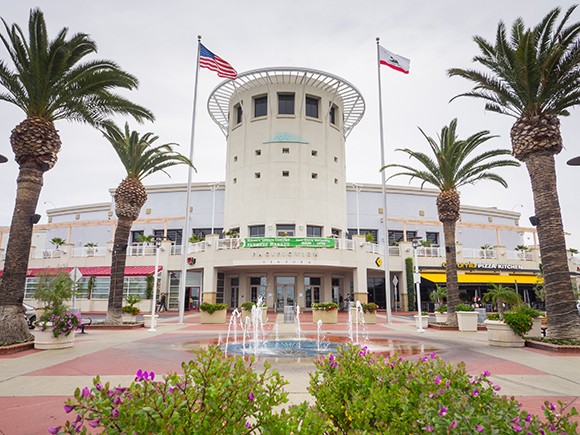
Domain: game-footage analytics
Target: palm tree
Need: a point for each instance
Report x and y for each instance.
(499, 294)
(51, 81)
(140, 158)
(533, 75)
(451, 166)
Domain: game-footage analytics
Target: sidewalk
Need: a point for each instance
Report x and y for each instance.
(34, 384)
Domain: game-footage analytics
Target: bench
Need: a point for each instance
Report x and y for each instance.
(85, 322)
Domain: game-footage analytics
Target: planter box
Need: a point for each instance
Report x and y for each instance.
(536, 330)
(44, 340)
(216, 317)
(369, 318)
(467, 320)
(501, 335)
(440, 317)
(326, 316)
(423, 319)
(147, 320)
(246, 313)
(129, 318)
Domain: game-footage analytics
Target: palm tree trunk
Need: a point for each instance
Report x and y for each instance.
(115, 307)
(451, 270)
(563, 321)
(13, 327)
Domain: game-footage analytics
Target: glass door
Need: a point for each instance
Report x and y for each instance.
(235, 292)
(284, 292)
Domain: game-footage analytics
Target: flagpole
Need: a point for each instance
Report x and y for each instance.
(384, 193)
(185, 231)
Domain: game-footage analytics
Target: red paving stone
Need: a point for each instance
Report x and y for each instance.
(31, 415)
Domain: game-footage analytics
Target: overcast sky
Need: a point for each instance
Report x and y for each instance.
(157, 42)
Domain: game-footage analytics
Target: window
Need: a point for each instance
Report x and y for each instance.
(235, 180)
(220, 285)
(258, 152)
(332, 114)
(260, 106)
(314, 175)
(314, 153)
(313, 231)
(173, 235)
(257, 230)
(285, 173)
(336, 181)
(312, 290)
(432, 237)
(136, 236)
(286, 104)
(336, 232)
(285, 150)
(335, 159)
(257, 175)
(396, 236)
(238, 113)
(200, 233)
(235, 158)
(258, 285)
(284, 230)
(312, 107)
(364, 232)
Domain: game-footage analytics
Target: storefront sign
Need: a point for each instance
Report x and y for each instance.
(488, 266)
(288, 242)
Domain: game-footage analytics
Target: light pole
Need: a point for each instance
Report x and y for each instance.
(357, 188)
(158, 249)
(213, 188)
(417, 281)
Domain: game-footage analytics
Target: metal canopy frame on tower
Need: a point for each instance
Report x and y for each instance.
(352, 100)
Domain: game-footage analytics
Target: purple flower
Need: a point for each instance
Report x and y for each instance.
(115, 413)
(430, 429)
(475, 393)
(116, 400)
(437, 380)
(54, 430)
(139, 375)
(68, 408)
(485, 373)
(251, 396)
(516, 427)
(431, 395)
(552, 407)
(479, 428)
(433, 355)
(94, 423)
(443, 412)
(248, 425)
(152, 375)
(496, 387)
(99, 387)
(453, 424)
(86, 393)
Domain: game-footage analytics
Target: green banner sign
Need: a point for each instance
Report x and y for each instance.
(288, 242)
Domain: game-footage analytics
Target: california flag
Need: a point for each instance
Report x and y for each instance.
(394, 61)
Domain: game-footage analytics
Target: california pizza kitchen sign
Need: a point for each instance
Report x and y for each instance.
(488, 266)
(288, 242)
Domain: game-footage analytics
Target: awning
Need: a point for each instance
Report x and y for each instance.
(91, 271)
(484, 278)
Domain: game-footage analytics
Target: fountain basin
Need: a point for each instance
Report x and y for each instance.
(282, 348)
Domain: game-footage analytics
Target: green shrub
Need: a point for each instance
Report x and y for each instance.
(130, 308)
(247, 306)
(370, 308)
(520, 322)
(525, 309)
(463, 307)
(212, 308)
(493, 316)
(442, 309)
(326, 306)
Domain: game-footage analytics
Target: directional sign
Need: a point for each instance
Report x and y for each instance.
(75, 274)
(379, 261)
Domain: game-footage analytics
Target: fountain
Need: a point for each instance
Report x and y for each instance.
(357, 324)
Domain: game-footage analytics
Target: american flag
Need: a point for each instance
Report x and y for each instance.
(215, 63)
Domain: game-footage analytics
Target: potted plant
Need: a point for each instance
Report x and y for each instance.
(537, 318)
(441, 314)
(91, 249)
(508, 331)
(500, 295)
(423, 318)
(438, 296)
(130, 311)
(370, 313)
(213, 313)
(57, 242)
(247, 308)
(56, 324)
(466, 317)
(325, 311)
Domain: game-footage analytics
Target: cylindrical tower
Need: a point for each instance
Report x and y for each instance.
(285, 170)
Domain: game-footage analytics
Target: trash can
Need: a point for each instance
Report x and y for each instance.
(289, 314)
(481, 316)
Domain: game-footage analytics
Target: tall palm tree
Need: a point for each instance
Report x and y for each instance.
(452, 165)
(533, 75)
(51, 81)
(140, 158)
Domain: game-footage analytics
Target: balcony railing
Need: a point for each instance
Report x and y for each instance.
(429, 251)
(487, 254)
(89, 252)
(519, 255)
(141, 249)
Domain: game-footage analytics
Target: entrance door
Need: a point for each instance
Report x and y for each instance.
(235, 292)
(284, 292)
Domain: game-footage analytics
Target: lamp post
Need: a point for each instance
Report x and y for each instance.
(357, 188)
(417, 281)
(213, 188)
(158, 249)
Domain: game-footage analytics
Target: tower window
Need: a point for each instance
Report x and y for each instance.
(285, 150)
(260, 106)
(238, 113)
(312, 107)
(332, 114)
(285, 173)
(286, 104)
(314, 175)
(335, 159)
(314, 153)
(258, 152)
(257, 175)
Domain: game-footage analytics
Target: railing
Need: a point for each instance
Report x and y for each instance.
(428, 251)
(345, 244)
(141, 249)
(47, 253)
(89, 252)
(231, 243)
(519, 255)
(487, 254)
(373, 248)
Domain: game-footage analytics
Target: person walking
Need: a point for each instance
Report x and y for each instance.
(162, 305)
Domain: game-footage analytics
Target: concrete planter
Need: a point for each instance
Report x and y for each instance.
(44, 340)
(467, 320)
(216, 317)
(441, 317)
(536, 330)
(129, 318)
(369, 318)
(147, 320)
(248, 313)
(330, 316)
(500, 334)
(423, 319)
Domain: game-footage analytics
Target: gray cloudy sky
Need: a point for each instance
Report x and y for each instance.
(156, 41)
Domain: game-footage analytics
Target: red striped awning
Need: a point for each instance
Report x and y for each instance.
(91, 271)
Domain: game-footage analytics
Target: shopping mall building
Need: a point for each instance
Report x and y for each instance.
(285, 224)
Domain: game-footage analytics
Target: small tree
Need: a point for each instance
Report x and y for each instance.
(498, 295)
(438, 296)
(57, 242)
